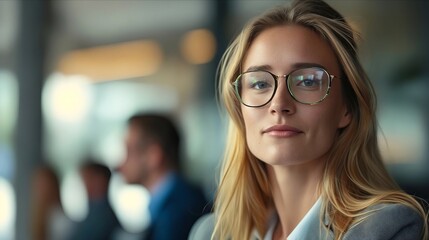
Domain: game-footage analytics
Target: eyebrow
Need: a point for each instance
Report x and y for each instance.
(294, 66)
(259, 68)
(305, 64)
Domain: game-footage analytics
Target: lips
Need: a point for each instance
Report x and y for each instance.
(282, 131)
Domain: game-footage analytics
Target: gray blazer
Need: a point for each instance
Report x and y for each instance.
(387, 222)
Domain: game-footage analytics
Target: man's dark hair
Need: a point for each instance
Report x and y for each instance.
(96, 168)
(159, 129)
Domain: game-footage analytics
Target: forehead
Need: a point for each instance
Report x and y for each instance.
(281, 48)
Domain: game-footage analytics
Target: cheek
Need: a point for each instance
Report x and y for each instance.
(321, 141)
(324, 131)
(132, 166)
(136, 165)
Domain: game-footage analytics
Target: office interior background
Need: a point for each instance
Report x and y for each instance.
(72, 72)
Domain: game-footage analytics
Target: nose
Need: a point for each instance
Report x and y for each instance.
(282, 102)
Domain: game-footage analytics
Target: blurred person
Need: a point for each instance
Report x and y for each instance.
(302, 160)
(101, 222)
(152, 160)
(48, 221)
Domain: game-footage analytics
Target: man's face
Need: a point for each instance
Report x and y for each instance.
(134, 168)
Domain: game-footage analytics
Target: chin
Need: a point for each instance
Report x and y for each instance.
(283, 160)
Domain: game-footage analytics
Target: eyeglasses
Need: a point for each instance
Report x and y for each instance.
(309, 86)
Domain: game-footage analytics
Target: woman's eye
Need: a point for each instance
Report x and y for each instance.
(308, 83)
(260, 85)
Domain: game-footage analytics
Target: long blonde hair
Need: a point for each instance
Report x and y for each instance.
(354, 177)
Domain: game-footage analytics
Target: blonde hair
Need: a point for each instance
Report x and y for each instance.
(354, 177)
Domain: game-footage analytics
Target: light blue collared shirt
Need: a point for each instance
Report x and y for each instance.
(305, 228)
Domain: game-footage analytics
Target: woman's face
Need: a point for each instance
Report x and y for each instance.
(284, 131)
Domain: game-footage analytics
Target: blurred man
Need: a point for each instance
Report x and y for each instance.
(101, 222)
(152, 159)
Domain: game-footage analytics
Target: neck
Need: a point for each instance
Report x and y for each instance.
(153, 181)
(295, 190)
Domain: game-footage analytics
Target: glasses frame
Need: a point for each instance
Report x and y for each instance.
(276, 84)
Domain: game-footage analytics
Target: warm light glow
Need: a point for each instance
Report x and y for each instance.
(67, 98)
(7, 209)
(113, 62)
(199, 46)
(130, 203)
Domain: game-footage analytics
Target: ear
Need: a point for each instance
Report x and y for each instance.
(345, 119)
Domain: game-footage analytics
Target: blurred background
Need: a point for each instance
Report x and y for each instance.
(72, 72)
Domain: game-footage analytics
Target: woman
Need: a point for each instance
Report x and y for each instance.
(302, 160)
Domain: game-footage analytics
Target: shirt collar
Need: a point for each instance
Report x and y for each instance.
(309, 228)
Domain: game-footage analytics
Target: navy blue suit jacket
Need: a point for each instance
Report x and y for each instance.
(183, 206)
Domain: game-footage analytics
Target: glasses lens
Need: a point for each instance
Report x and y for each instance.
(255, 88)
(308, 85)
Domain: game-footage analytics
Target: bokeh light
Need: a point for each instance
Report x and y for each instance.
(198, 46)
(67, 98)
